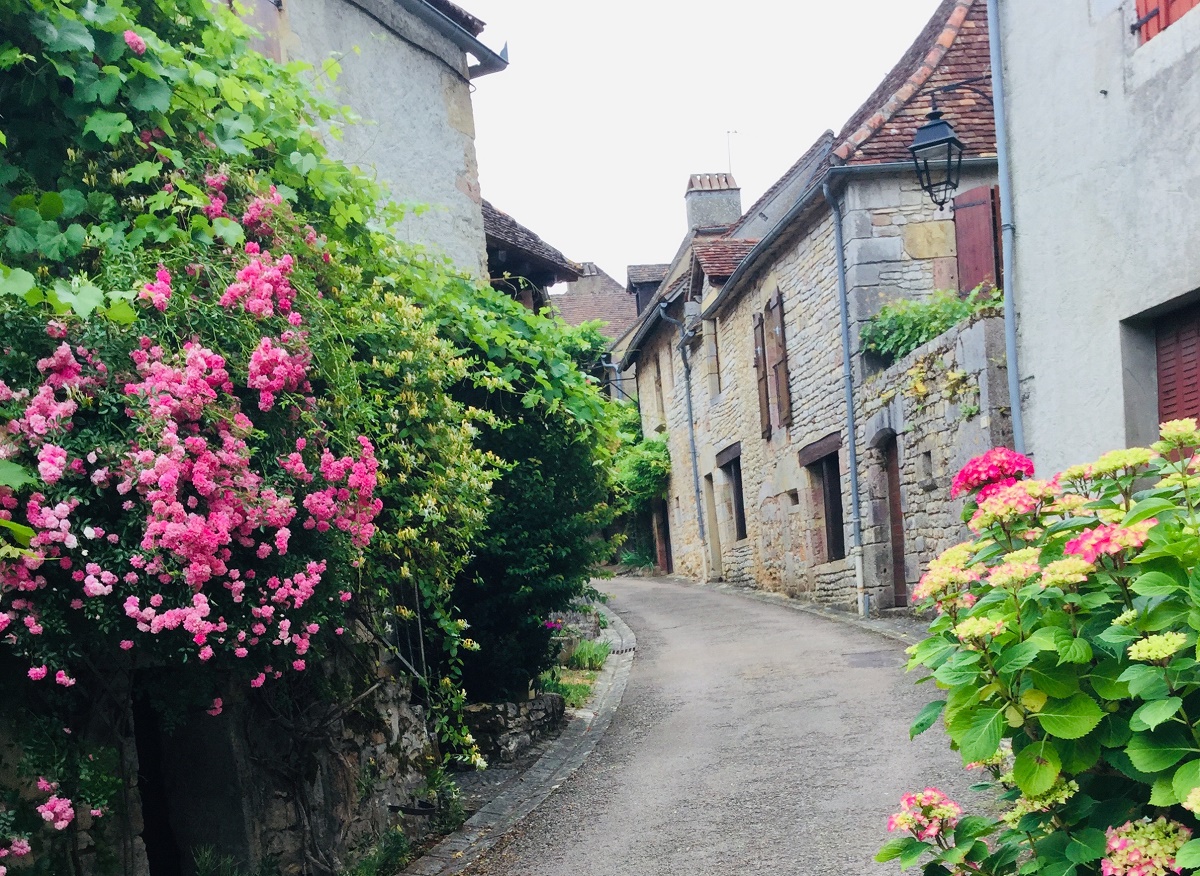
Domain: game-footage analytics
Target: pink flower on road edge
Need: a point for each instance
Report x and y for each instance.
(926, 814)
(136, 44)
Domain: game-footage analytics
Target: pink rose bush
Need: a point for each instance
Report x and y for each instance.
(1065, 649)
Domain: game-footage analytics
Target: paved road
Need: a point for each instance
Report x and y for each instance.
(751, 740)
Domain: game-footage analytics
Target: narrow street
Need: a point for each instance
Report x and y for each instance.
(751, 739)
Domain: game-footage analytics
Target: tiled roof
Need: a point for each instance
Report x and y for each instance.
(711, 182)
(720, 258)
(458, 15)
(952, 47)
(500, 229)
(809, 164)
(647, 273)
(596, 295)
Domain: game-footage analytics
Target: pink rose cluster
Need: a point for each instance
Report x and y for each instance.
(997, 468)
(204, 550)
(926, 814)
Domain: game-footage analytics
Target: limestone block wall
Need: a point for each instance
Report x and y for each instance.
(942, 404)
(409, 84)
(505, 730)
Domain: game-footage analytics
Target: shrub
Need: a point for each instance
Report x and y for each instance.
(1065, 645)
(642, 466)
(590, 654)
(902, 326)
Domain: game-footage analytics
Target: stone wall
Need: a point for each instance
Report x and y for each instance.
(505, 730)
(942, 404)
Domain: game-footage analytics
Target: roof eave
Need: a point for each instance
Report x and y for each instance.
(489, 61)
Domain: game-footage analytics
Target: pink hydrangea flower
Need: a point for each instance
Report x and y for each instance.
(998, 464)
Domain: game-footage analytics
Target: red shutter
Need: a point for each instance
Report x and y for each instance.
(1177, 339)
(783, 392)
(977, 236)
(1176, 9)
(1154, 26)
(760, 370)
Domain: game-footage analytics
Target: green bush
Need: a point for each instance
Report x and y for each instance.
(642, 466)
(590, 654)
(1065, 649)
(902, 326)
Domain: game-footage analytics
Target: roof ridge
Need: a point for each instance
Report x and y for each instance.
(828, 138)
(912, 84)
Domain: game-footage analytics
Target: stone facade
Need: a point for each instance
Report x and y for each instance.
(1106, 234)
(938, 407)
(410, 85)
(505, 730)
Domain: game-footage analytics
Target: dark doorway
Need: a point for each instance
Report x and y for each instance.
(891, 464)
(662, 536)
(162, 849)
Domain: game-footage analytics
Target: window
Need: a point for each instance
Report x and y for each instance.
(1177, 349)
(822, 461)
(729, 461)
(771, 367)
(1153, 16)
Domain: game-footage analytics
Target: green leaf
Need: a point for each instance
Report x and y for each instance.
(1185, 779)
(971, 827)
(1162, 793)
(1087, 845)
(1148, 508)
(894, 848)
(73, 203)
(149, 95)
(983, 737)
(1055, 681)
(1156, 584)
(228, 230)
(912, 854)
(1158, 750)
(1036, 767)
(108, 127)
(15, 281)
(926, 718)
(144, 171)
(1150, 715)
(1017, 657)
(50, 205)
(122, 313)
(1070, 718)
(1079, 755)
(21, 533)
(14, 476)
(1104, 680)
(1145, 681)
(1075, 651)
(1189, 855)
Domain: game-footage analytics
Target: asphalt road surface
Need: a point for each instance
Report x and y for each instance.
(752, 739)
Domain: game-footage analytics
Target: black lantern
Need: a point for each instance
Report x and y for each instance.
(938, 153)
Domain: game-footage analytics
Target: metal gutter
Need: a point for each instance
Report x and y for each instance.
(804, 202)
(839, 248)
(1007, 241)
(489, 61)
(687, 383)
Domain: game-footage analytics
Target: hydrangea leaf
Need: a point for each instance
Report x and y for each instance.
(1070, 718)
(1150, 715)
(1036, 767)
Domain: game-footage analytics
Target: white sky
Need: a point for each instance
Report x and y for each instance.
(589, 136)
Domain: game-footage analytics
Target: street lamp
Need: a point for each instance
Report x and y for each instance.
(937, 153)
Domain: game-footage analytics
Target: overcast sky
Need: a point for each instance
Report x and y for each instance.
(606, 108)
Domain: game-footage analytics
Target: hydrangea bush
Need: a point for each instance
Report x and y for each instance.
(1065, 645)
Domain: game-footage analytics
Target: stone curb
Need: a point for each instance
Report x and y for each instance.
(567, 753)
(908, 630)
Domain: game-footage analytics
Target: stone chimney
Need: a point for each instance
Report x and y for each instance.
(712, 199)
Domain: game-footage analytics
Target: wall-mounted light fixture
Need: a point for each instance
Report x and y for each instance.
(936, 150)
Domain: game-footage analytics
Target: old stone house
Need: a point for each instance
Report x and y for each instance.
(520, 263)
(405, 67)
(596, 296)
(750, 364)
(1106, 185)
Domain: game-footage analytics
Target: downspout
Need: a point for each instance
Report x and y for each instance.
(687, 385)
(1006, 228)
(848, 383)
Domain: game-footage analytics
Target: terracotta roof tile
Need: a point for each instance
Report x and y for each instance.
(501, 229)
(720, 258)
(458, 15)
(596, 295)
(952, 47)
(647, 273)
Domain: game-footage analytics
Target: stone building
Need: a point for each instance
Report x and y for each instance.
(1107, 270)
(741, 359)
(520, 263)
(405, 67)
(596, 296)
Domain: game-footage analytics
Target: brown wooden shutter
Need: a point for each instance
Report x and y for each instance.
(783, 392)
(1177, 340)
(977, 235)
(760, 370)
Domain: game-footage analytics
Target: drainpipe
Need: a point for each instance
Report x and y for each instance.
(848, 382)
(1006, 228)
(687, 384)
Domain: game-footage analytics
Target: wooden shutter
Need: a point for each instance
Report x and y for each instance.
(760, 370)
(783, 392)
(977, 235)
(1177, 340)
(1154, 25)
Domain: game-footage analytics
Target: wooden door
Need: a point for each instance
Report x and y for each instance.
(891, 463)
